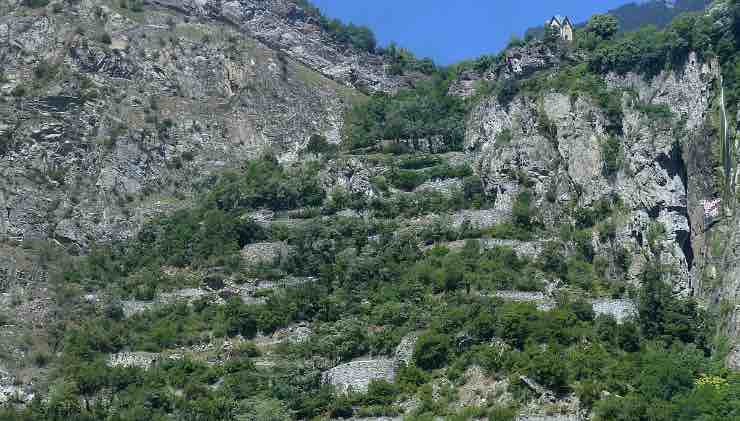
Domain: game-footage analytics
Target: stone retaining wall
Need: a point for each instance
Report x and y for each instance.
(531, 249)
(263, 253)
(621, 310)
(542, 301)
(143, 360)
(357, 375)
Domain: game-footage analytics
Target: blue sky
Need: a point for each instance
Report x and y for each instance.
(453, 30)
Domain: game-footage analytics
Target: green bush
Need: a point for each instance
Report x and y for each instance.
(419, 162)
(380, 392)
(611, 152)
(656, 112)
(548, 367)
(105, 38)
(43, 70)
(36, 3)
(523, 212)
(432, 350)
(319, 145)
(604, 26)
(422, 112)
(18, 91)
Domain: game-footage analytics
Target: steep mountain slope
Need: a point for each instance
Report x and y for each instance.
(207, 218)
(287, 26)
(108, 112)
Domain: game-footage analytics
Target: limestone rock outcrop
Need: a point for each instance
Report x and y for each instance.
(554, 148)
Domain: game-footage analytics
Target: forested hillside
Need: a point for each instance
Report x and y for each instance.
(207, 222)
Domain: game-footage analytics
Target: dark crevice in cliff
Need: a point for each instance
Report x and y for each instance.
(675, 165)
(684, 241)
(654, 212)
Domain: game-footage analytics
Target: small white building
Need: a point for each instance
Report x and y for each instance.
(562, 25)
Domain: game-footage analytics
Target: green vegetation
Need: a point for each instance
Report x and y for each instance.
(105, 38)
(363, 39)
(611, 152)
(422, 112)
(36, 3)
(603, 26)
(209, 235)
(375, 280)
(360, 37)
(372, 287)
(403, 61)
(410, 179)
(319, 145)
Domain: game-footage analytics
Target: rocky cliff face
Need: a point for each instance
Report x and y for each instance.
(556, 143)
(109, 115)
(669, 175)
(290, 28)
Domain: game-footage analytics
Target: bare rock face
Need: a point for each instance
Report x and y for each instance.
(515, 63)
(521, 62)
(352, 176)
(97, 137)
(286, 26)
(553, 146)
(733, 359)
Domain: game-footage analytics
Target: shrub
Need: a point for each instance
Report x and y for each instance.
(422, 112)
(407, 180)
(419, 162)
(380, 392)
(410, 378)
(18, 91)
(510, 231)
(342, 408)
(604, 26)
(105, 38)
(319, 145)
(552, 259)
(611, 151)
(581, 274)
(43, 70)
(588, 392)
(432, 350)
(504, 137)
(656, 112)
(239, 319)
(522, 211)
(516, 322)
(548, 367)
(36, 3)
(506, 90)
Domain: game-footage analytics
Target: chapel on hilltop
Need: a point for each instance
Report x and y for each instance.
(563, 25)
